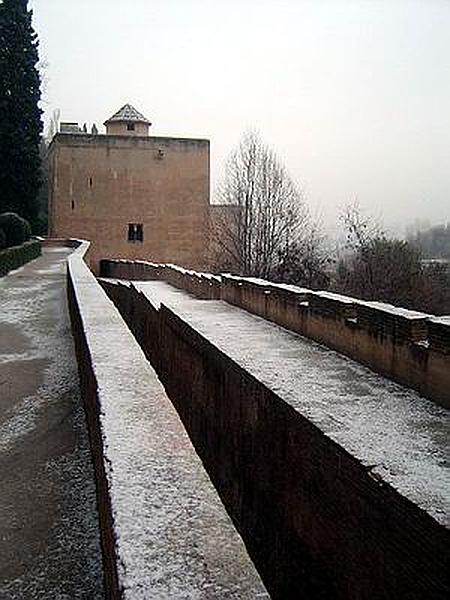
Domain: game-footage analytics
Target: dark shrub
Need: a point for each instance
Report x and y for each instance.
(15, 257)
(16, 229)
(2, 239)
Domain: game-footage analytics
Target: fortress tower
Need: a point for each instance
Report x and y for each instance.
(127, 121)
(132, 195)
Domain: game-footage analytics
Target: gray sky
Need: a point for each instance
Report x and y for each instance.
(354, 95)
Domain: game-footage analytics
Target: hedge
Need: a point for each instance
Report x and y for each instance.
(16, 256)
(16, 229)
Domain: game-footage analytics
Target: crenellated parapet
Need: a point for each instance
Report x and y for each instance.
(407, 346)
(334, 475)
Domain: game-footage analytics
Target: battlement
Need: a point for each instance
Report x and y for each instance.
(407, 346)
(333, 476)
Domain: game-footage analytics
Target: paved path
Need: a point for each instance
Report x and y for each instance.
(49, 539)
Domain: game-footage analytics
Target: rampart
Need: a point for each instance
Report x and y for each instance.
(407, 346)
(318, 521)
(320, 517)
(164, 531)
(105, 187)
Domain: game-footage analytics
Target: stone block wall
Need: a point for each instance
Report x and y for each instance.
(102, 184)
(164, 531)
(409, 347)
(393, 341)
(201, 285)
(316, 521)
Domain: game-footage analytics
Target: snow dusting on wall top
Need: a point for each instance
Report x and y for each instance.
(398, 435)
(173, 536)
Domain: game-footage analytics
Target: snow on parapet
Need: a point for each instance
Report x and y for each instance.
(257, 281)
(334, 296)
(283, 287)
(381, 317)
(390, 429)
(444, 320)
(172, 537)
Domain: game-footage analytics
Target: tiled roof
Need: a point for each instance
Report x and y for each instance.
(128, 113)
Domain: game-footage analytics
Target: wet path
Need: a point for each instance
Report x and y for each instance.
(49, 539)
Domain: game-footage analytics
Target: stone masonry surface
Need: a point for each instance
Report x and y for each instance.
(405, 346)
(335, 477)
(172, 537)
(101, 184)
(49, 543)
(396, 433)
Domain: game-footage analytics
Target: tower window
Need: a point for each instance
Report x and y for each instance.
(130, 126)
(135, 232)
(90, 181)
(73, 205)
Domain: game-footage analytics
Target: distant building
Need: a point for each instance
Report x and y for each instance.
(66, 127)
(131, 195)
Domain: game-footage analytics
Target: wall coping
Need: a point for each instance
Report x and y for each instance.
(171, 534)
(224, 278)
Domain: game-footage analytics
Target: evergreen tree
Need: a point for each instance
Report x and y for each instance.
(20, 115)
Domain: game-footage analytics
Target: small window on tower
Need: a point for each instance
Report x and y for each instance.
(135, 232)
(130, 126)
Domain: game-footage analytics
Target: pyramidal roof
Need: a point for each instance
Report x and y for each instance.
(128, 113)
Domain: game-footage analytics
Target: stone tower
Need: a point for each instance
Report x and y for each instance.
(127, 121)
(132, 195)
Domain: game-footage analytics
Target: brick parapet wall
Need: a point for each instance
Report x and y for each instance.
(201, 285)
(64, 242)
(157, 507)
(89, 384)
(409, 347)
(317, 523)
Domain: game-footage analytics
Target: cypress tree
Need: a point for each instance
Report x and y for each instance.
(20, 115)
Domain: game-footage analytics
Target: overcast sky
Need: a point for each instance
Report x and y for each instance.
(354, 95)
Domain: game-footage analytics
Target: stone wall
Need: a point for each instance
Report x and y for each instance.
(164, 531)
(101, 184)
(409, 347)
(200, 285)
(120, 128)
(317, 522)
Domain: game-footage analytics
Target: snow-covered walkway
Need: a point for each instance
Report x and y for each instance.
(401, 437)
(49, 540)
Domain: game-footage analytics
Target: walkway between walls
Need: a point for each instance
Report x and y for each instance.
(49, 542)
(391, 428)
(334, 475)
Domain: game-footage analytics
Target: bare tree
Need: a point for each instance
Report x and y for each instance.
(262, 216)
(361, 231)
(360, 228)
(308, 261)
(379, 267)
